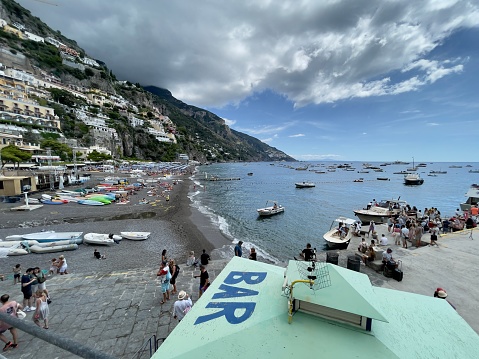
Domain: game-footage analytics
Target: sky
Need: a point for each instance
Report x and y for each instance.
(367, 80)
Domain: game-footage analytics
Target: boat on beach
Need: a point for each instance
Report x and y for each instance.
(337, 238)
(54, 236)
(101, 239)
(135, 236)
(304, 184)
(53, 248)
(270, 210)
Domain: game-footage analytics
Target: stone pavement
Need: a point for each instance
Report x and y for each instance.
(113, 312)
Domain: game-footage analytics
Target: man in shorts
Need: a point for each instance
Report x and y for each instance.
(8, 307)
(204, 280)
(27, 282)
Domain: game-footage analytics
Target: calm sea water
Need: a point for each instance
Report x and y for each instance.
(309, 212)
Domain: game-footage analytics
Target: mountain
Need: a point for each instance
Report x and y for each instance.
(141, 122)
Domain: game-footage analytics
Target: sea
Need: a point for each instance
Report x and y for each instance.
(309, 212)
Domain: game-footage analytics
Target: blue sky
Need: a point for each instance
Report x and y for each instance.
(342, 80)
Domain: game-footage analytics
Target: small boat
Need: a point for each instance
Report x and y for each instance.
(9, 244)
(439, 172)
(54, 236)
(89, 202)
(473, 171)
(270, 210)
(250, 173)
(359, 180)
(432, 175)
(413, 179)
(101, 239)
(50, 249)
(472, 198)
(380, 213)
(17, 252)
(339, 238)
(135, 236)
(383, 179)
(304, 184)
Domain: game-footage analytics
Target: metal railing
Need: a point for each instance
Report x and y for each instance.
(55, 338)
(149, 347)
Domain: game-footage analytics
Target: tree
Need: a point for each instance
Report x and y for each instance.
(15, 155)
(59, 149)
(96, 156)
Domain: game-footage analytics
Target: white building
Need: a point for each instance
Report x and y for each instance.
(54, 42)
(90, 62)
(135, 121)
(33, 37)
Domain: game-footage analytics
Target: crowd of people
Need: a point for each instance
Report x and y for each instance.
(36, 298)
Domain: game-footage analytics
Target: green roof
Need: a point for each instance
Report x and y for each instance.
(244, 314)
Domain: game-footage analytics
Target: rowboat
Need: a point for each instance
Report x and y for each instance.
(101, 239)
(135, 236)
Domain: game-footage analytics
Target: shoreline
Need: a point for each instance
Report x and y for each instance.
(175, 225)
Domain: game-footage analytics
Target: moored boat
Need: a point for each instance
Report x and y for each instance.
(270, 210)
(304, 184)
(472, 198)
(51, 249)
(338, 237)
(413, 179)
(380, 213)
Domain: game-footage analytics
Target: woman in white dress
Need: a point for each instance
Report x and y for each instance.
(43, 311)
(62, 265)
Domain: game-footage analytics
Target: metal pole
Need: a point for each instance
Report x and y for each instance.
(55, 338)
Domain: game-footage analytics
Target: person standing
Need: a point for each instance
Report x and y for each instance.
(174, 270)
(418, 236)
(404, 235)
(205, 258)
(9, 307)
(42, 311)
(372, 228)
(182, 306)
(164, 258)
(238, 249)
(62, 265)
(165, 276)
(27, 290)
(252, 254)
(204, 280)
(17, 271)
(37, 272)
(308, 254)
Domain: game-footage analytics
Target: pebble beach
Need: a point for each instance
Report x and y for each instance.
(170, 223)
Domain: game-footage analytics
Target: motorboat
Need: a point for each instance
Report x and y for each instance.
(472, 198)
(340, 233)
(380, 212)
(359, 180)
(413, 179)
(101, 239)
(54, 236)
(270, 210)
(383, 179)
(135, 236)
(304, 184)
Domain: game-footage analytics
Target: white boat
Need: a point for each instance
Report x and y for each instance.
(380, 213)
(101, 239)
(270, 210)
(339, 239)
(19, 237)
(472, 197)
(413, 179)
(135, 236)
(17, 252)
(50, 249)
(53, 236)
(304, 184)
(10, 244)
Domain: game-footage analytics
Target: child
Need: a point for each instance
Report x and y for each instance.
(42, 311)
(17, 270)
(53, 267)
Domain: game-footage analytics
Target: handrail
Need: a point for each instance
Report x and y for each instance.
(55, 338)
(151, 343)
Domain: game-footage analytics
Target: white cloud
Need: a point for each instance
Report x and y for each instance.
(317, 157)
(298, 135)
(229, 122)
(214, 53)
(432, 124)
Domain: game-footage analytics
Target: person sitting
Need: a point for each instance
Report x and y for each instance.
(339, 229)
(192, 261)
(363, 246)
(275, 205)
(383, 240)
(97, 255)
(370, 255)
(308, 253)
(387, 256)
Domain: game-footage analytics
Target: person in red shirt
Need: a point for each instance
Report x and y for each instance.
(474, 210)
(8, 307)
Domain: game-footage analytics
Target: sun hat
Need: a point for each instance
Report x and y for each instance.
(441, 294)
(181, 295)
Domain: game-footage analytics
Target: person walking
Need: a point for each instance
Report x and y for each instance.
(238, 249)
(182, 306)
(165, 276)
(37, 272)
(9, 307)
(204, 280)
(42, 310)
(174, 271)
(205, 258)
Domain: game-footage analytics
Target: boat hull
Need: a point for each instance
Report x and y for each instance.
(415, 182)
(54, 236)
(52, 249)
(269, 211)
(135, 236)
(100, 239)
(366, 218)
